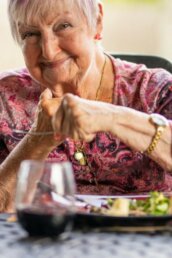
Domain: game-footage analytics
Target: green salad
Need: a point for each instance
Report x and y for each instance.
(156, 204)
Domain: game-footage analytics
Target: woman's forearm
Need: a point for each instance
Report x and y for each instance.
(29, 148)
(135, 130)
(83, 118)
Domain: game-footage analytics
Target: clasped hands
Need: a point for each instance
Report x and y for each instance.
(69, 117)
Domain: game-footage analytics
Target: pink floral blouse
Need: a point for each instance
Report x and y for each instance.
(116, 167)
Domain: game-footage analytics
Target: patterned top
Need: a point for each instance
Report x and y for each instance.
(117, 168)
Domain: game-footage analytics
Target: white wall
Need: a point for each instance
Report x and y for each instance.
(10, 54)
(141, 28)
(137, 28)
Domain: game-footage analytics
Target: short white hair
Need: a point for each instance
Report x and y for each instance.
(24, 10)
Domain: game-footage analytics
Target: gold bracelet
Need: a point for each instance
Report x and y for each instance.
(160, 123)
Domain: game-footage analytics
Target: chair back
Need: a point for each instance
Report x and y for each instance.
(148, 60)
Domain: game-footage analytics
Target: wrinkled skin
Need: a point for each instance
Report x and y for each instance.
(81, 119)
(71, 117)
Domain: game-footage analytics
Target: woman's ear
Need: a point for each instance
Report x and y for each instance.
(99, 24)
(100, 5)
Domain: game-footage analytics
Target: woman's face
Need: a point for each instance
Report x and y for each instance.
(58, 50)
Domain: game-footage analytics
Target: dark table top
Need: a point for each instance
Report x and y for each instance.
(15, 243)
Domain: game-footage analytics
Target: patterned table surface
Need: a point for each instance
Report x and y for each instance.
(15, 243)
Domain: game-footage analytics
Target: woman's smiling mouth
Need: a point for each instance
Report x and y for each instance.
(54, 64)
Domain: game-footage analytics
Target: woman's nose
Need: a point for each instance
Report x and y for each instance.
(50, 47)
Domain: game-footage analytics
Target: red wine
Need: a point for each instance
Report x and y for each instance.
(38, 223)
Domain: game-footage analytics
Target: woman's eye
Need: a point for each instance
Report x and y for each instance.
(29, 35)
(64, 26)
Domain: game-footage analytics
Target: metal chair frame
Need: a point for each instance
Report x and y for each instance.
(149, 60)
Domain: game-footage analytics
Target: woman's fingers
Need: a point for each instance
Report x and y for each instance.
(46, 94)
(49, 104)
(73, 118)
(73, 124)
(68, 126)
(47, 107)
(57, 119)
(62, 121)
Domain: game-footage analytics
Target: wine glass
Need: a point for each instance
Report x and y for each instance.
(45, 197)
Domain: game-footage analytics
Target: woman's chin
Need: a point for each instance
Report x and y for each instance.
(53, 79)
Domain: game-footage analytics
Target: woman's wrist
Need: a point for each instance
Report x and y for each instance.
(41, 145)
(112, 118)
(129, 126)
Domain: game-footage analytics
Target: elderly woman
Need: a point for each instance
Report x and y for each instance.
(105, 112)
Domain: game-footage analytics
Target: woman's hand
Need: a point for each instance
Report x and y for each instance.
(47, 107)
(80, 119)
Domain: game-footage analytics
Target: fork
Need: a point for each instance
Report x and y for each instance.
(79, 201)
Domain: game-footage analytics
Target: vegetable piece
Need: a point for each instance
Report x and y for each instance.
(119, 207)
